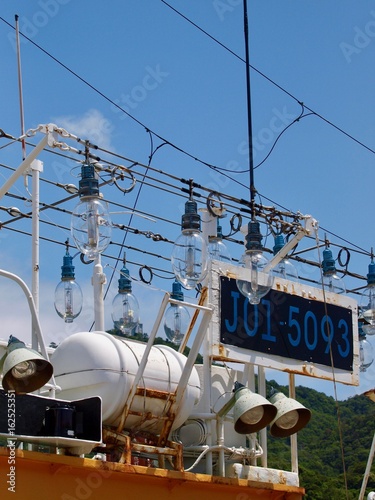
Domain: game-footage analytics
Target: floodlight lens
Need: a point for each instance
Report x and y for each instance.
(253, 416)
(289, 420)
(24, 369)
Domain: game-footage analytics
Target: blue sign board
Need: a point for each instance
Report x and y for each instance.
(287, 325)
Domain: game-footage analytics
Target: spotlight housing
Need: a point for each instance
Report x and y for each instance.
(24, 370)
(251, 412)
(291, 416)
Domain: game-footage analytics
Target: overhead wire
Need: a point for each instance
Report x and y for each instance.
(106, 255)
(148, 129)
(154, 181)
(152, 152)
(263, 75)
(165, 141)
(232, 208)
(172, 176)
(155, 237)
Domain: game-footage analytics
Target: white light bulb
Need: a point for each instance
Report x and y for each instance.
(176, 323)
(286, 270)
(368, 329)
(260, 281)
(188, 262)
(189, 254)
(253, 416)
(91, 226)
(367, 302)
(68, 300)
(333, 283)
(367, 307)
(125, 312)
(24, 369)
(366, 356)
(289, 420)
(217, 249)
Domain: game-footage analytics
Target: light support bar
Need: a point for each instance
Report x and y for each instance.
(36, 167)
(311, 225)
(34, 315)
(49, 139)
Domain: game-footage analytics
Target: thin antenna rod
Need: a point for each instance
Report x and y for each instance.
(20, 87)
(249, 122)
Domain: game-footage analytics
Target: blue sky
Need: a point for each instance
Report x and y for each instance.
(178, 82)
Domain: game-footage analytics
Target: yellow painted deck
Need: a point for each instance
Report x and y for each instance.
(45, 476)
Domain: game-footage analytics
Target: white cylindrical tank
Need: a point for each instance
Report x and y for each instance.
(90, 364)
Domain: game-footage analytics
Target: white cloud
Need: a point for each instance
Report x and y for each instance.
(92, 126)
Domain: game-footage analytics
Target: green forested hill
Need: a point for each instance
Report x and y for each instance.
(321, 454)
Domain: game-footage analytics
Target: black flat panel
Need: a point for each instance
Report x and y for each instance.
(24, 414)
(287, 325)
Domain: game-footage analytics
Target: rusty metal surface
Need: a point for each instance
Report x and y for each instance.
(153, 393)
(122, 448)
(59, 476)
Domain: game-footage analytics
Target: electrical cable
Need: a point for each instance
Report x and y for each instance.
(235, 214)
(279, 136)
(339, 129)
(131, 218)
(159, 136)
(339, 424)
(153, 183)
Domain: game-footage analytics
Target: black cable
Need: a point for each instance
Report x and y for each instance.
(209, 165)
(105, 97)
(130, 220)
(223, 195)
(268, 78)
(278, 137)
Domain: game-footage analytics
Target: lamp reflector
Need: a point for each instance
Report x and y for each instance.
(252, 412)
(291, 416)
(289, 420)
(24, 369)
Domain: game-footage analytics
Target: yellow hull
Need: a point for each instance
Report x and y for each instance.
(48, 476)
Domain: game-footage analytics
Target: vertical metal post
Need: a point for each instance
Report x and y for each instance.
(98, 280)
(262, 432)
(293, 437)
(36, 168)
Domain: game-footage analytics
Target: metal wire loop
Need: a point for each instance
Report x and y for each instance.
(121, 176)
(82, 259)
(215, 211)
(147, 268)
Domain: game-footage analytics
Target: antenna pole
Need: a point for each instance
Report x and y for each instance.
(249, 121)
(20, 88)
